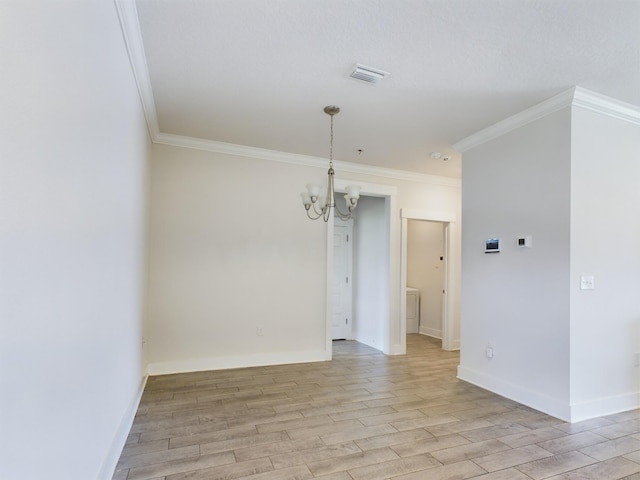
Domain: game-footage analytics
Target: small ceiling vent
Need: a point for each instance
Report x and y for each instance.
(368, 74)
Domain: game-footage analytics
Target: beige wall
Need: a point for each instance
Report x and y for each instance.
(425, 271)
(231, 249)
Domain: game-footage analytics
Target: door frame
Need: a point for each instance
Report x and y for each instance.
(391, 344)
(447, 306)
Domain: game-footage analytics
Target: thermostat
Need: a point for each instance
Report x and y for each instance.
(492, 245)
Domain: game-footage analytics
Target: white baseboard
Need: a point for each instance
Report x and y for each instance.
(431, 332)
(241, 361)
(518, 393)
(111, 460)
(604, 406)
(576, 412)
(438, 334)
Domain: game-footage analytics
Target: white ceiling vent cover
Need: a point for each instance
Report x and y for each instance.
(368, 74)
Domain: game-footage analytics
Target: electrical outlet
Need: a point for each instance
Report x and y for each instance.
(637, 364)
(259, 331)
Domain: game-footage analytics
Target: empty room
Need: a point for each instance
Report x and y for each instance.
(293, 239)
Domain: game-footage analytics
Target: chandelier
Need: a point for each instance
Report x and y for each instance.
(318, 201)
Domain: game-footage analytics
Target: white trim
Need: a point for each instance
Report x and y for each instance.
(430, 332)
(517, 393)
(447, 301)
(130, 25)
(120, 438)
(576, 96)
(328, 314)
(297, 159)
(241, 361)
(427, 215)
(604, 406)
(606, 105)
(569, 413)
(389, 192)
(397, 339)
(553, 104)
(240, 150)
(448, 342)
(368, 189)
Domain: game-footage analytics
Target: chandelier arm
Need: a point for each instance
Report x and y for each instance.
(340, 214)
(312, 217)
(315, 209)
(343, 216)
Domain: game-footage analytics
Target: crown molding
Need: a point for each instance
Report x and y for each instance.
(576, 96)
(130, 25)
(611, 107)
(531, 114)
(128, 15)
(303, 160)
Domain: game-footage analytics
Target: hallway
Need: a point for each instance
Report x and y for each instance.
(364, 415)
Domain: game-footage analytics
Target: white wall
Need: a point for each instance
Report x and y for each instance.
(72, 220)
(425, 271)
(569, 178)
(371, 273)
(518, 300)
(231, 249)
(605, 240)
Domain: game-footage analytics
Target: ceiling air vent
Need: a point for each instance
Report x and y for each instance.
(368, 74)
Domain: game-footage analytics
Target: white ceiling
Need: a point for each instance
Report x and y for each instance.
(259, 72)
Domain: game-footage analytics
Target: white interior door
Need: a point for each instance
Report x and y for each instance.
(342, 291)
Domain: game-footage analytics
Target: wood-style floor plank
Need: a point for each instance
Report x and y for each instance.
(363, 415)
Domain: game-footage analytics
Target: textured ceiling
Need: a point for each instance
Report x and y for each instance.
(259, 72)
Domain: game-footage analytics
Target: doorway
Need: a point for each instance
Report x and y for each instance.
(446, 220)
(425, 277)
(380, 327)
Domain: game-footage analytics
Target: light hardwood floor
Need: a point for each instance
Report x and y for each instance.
(364, 416)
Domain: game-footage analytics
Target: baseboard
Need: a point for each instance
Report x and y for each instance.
(437, 334)
(111, 460)
(241, 361)
(430, 332)
(604, 406)
(542, 403)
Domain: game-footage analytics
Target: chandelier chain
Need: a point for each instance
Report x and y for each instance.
(320, 202)
(331, 145)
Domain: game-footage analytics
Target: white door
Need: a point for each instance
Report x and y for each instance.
(341, 295)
